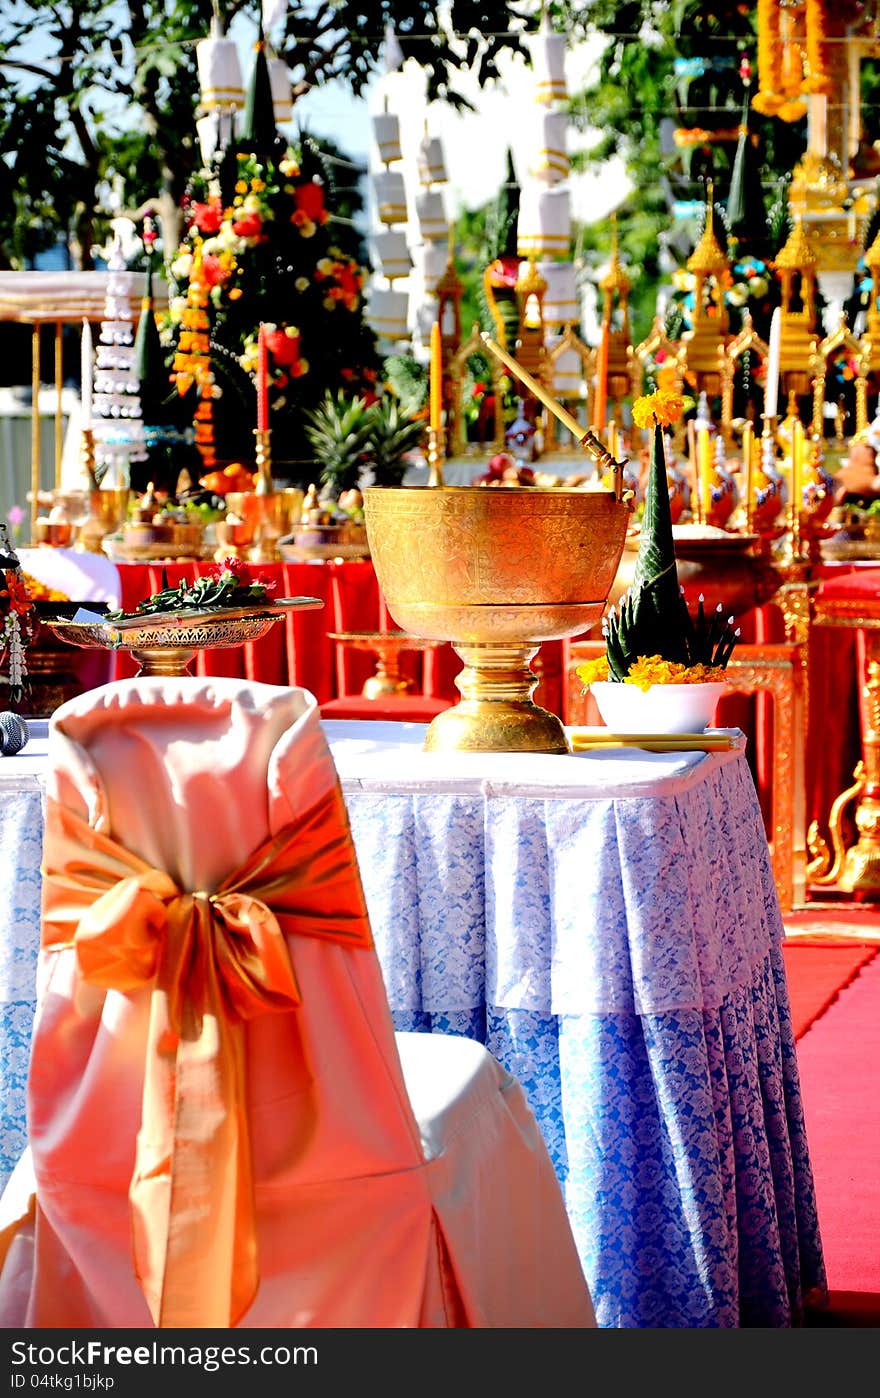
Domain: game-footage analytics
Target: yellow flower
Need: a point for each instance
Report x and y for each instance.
(659, 409)
(649, 670)
(653, 669)
(593, 670)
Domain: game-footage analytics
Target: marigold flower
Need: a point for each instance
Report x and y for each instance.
(593, 670)
(659, 409)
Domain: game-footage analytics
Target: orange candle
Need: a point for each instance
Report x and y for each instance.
(262, 381)
(436, 379)
(599, 397)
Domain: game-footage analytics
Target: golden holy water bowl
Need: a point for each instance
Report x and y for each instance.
(495, 572)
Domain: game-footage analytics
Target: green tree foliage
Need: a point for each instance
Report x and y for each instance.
(96, 89)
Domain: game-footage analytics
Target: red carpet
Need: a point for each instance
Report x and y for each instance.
(838, 1056)
(816, 972)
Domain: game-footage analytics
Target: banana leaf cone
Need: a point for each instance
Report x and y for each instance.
(149, 357)
(652, 619)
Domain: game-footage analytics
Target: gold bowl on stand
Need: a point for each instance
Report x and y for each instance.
(495, 572)
(270, 515)
(107, 510)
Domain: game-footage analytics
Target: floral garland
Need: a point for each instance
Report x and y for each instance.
(818, 77)
(215, 251)
(17, 617)
(192, 360)
(793, 57)
(768, 99)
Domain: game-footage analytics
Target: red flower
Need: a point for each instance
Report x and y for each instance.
(248, 225)
(349, 283)
(504, 271)
(17, 593)
(309, 200)
(207, 217)
(283, 348)
(213, 270)
(237, 566)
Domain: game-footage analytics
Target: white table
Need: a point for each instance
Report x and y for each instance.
(608, 924)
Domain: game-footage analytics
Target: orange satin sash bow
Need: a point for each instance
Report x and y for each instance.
(213, 960)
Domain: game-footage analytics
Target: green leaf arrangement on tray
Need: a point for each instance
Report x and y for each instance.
(651, 637)
(227, 584)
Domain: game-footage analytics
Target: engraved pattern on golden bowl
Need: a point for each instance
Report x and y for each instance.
(495, 572)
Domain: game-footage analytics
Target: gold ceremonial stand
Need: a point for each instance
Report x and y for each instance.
(107, 508)
(387, 646)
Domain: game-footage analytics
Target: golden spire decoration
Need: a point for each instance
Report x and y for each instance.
(707, 257)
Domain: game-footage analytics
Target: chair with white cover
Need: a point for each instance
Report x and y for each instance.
(224, 1129)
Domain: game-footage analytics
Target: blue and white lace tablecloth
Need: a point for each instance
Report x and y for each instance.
(608, 924)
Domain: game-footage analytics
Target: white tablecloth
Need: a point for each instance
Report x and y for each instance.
(608, 923)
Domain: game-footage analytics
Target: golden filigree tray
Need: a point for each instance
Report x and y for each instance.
(164, 643)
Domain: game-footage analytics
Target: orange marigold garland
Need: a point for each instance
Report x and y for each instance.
(192, 362)
(793, 107)
(818, 77)
(768, 99)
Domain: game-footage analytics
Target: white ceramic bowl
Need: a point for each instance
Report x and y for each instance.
(664, 708)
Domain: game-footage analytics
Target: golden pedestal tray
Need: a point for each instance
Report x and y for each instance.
(387, 646)
(164, 643)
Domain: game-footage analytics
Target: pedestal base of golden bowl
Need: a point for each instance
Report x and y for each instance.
(496, 573)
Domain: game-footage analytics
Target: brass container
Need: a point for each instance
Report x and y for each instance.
(495, 572)
(54, 533)
(107, 510)
(271, 515)
(233, 540)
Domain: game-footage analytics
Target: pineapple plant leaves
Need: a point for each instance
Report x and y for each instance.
(393, 434)
(339, 431)
(350, 437)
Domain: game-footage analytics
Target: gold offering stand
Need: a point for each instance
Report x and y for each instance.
(267, 514)
(387, 646)
(496, 573)
(165, 643)
(107, 508)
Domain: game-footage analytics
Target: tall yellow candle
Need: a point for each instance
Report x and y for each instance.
(696, 503)
(436, 379)
(797, 464)
(748, 449)
(706, 470)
